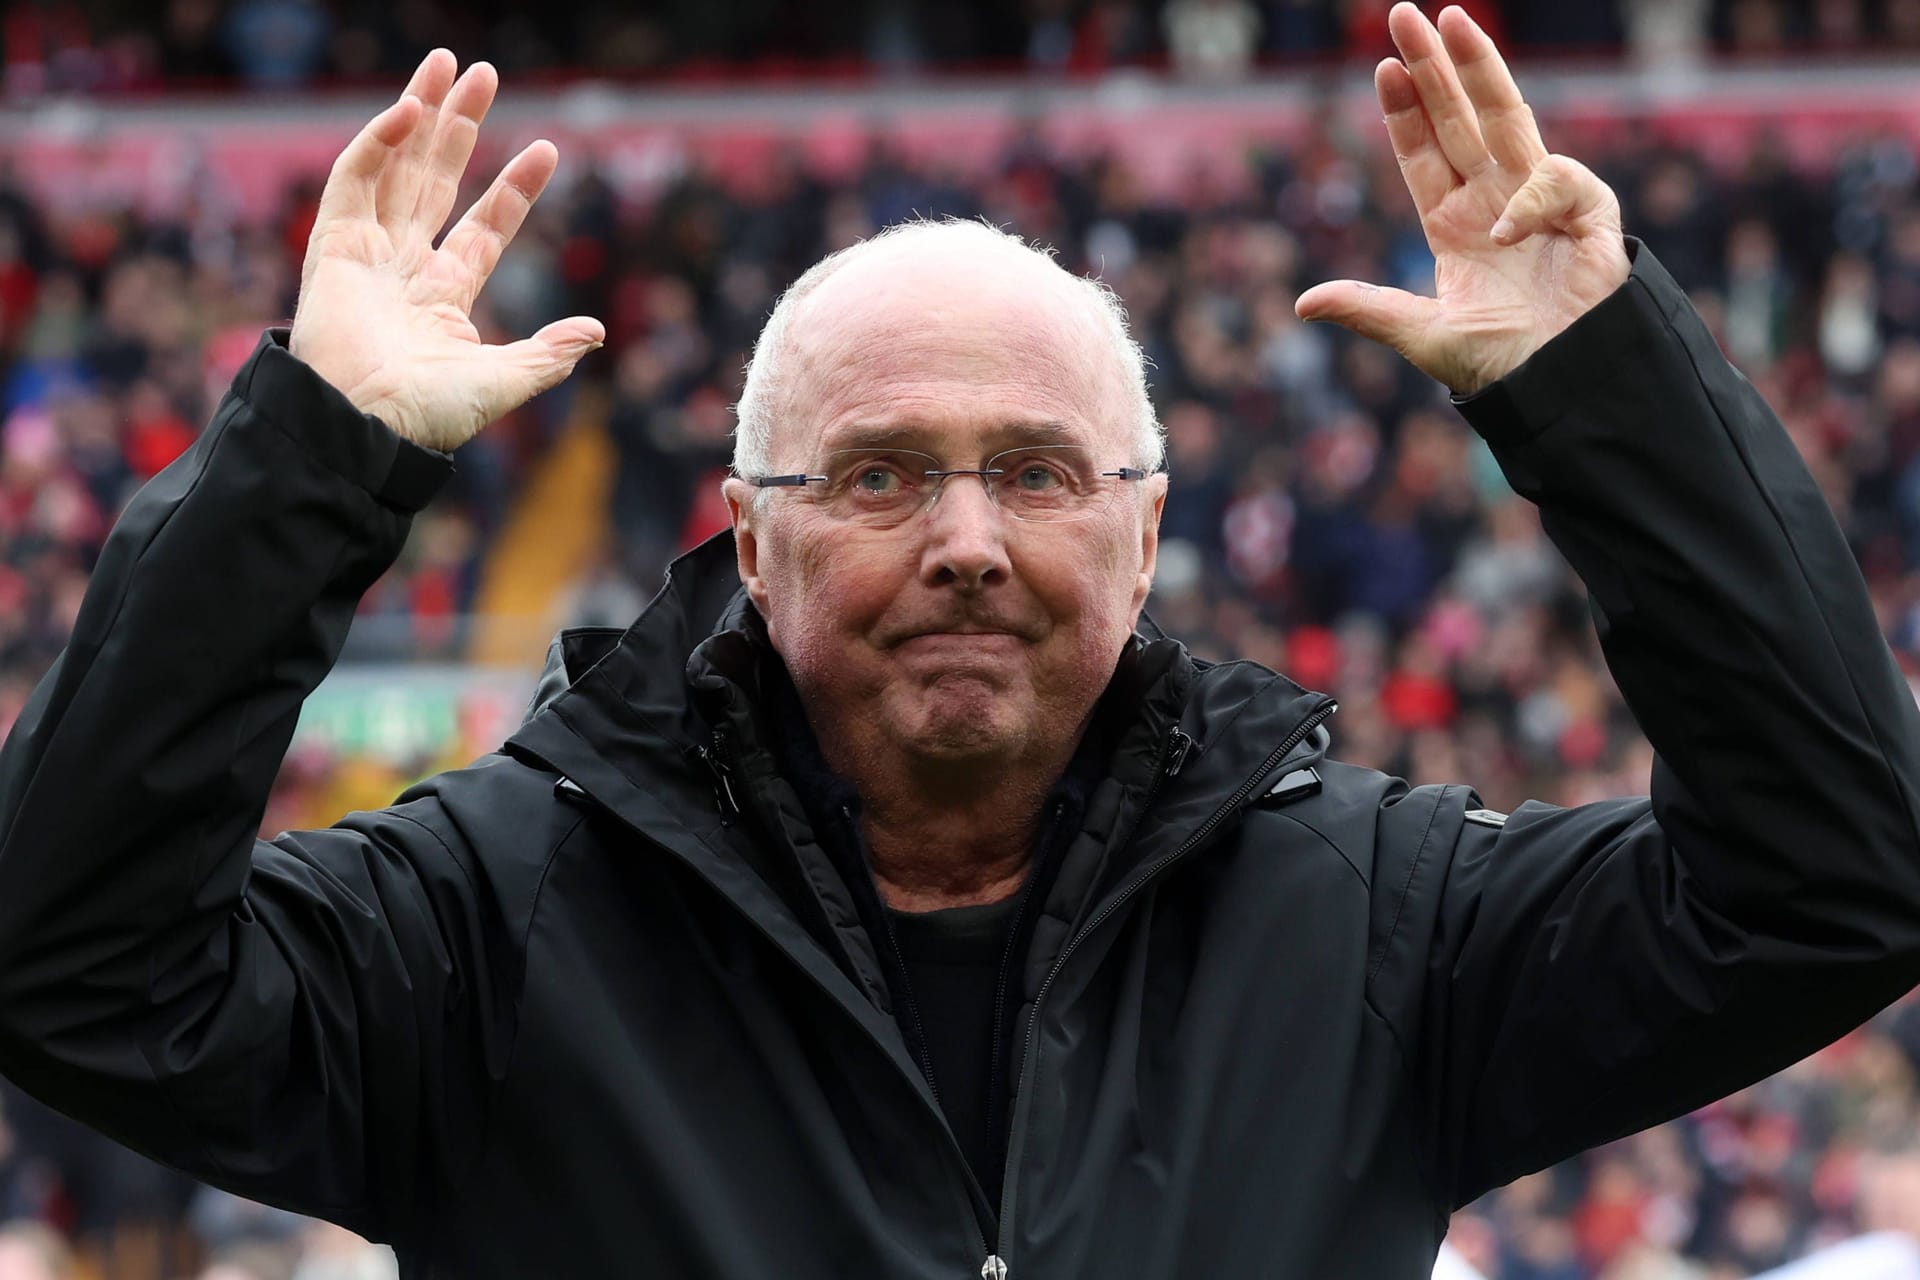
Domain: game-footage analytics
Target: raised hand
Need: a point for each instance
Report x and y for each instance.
(383, 315)
(1524, 242)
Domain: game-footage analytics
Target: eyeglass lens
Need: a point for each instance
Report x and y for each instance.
(1041, 483)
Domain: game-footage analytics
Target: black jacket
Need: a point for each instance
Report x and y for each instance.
(600, 1005)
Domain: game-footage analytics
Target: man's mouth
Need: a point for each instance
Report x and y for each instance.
(960, 641)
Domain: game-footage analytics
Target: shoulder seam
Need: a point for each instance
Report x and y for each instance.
(1325, 839)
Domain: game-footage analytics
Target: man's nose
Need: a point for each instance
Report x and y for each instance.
(965, 542)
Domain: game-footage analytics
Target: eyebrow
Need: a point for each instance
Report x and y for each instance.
(1004, 435)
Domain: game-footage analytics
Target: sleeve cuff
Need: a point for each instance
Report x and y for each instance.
(1587, 354)
(284, 391)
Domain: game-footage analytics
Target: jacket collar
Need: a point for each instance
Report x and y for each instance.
(636, 700)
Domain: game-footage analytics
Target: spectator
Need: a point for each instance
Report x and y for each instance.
(1212, 39)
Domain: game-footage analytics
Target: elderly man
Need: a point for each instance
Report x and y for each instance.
(892, 899)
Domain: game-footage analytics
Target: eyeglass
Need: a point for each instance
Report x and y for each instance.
(882, 487)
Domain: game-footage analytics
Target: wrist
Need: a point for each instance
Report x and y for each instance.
(363, 393)
(1596, 282)
(289, 394)
(1590, 351)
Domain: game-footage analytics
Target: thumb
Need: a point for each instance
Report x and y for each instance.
(523, 369)
(1390, 316)
(1560, 193)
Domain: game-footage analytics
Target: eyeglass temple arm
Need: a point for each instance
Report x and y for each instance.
(784, 482)
(1124, 473)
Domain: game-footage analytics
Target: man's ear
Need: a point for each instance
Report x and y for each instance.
(1149, 540)
(746, 514)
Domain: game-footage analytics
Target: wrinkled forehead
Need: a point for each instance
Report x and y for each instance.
(954, 353)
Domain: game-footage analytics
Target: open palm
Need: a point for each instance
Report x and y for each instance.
(384, 315)
(1524, 242)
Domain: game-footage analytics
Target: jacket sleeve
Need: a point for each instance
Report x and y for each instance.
(269, 1016)
(1586, 972)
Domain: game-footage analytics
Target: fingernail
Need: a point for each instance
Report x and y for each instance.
(1503, 230)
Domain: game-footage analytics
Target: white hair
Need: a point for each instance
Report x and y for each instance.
(767, 389)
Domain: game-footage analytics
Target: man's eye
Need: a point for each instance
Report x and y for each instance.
(1033, 477)
(877, 480)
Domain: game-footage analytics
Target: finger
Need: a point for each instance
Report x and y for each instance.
(1440, 92)
(1506, 121)
(399, 188)
(455, 134)
(523, 369)
(484, 233)
(1391, 316)
(1428, 173)
(349, 192)
(1561, 195)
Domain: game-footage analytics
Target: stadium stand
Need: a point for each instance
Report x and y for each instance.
(113, 46)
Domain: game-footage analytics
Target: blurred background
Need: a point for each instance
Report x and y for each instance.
(1330, 515)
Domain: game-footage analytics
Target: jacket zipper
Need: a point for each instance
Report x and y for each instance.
(1172, 760)
(1173, 757)
(718, 758)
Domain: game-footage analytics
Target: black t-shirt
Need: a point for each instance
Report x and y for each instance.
(953, 960)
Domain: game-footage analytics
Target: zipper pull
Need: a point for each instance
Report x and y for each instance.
(715, 758)
(993, 1268)
(1178, 745)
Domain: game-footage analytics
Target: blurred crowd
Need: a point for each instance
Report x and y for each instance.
(108, 46)
(118, 334)
(1330, 515)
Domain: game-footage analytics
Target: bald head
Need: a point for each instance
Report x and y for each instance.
(897, 303)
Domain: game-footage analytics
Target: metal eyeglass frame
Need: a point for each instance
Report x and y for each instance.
(940, 477)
